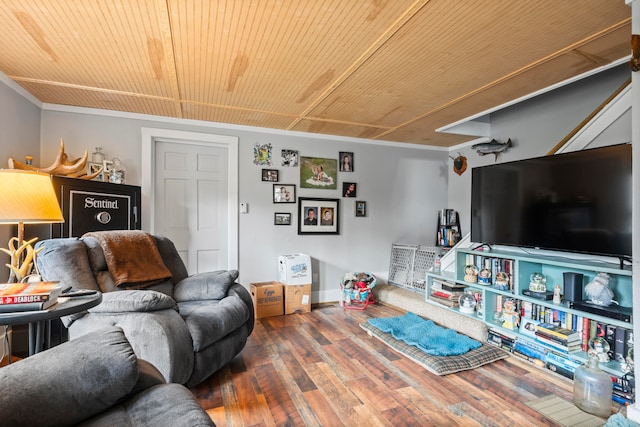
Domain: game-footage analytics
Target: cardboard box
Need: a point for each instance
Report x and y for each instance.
(294, 269)
(268, 299)
(297, 298)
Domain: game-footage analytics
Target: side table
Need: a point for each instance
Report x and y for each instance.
(39, 320)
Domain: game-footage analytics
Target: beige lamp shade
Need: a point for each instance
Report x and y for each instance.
(27, 197)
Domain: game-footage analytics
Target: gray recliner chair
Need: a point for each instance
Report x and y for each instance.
(95, 380)
(186, 326)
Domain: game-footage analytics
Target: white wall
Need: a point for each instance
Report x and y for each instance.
(403, 188)
(535, 126)
(19, 137)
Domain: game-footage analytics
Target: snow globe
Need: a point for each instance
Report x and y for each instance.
(467, 302)
(538, 283)
(471, 273)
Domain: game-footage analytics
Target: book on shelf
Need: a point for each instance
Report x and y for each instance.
(566, 334)
(610, 337)
(533, 351)
(560, 370)
(449, 302)
(446, 286)
(28, 296)
(561, 364)
(558, 346)
(563, 342)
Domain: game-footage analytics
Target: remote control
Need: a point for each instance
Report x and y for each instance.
(79, 293)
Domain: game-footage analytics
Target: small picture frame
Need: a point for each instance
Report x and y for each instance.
(346, 161)
(318, 216)
(349, 189)
(289, 158)
(282, 218)
(95, 167)
(270, 175)
(361, 208)
(284, 193)
(528, 326)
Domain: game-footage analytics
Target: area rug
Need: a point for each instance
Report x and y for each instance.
(564, 413)
(439, 365)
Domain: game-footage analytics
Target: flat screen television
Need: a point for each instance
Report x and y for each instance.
(575, 202)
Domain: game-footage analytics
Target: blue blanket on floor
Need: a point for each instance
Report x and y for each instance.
(426, 335)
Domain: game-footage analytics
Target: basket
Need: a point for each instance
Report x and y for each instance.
(356, 290)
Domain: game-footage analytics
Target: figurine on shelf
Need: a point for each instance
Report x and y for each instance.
(510, 318)
(501, 281)
(598, 290)
(557, 295)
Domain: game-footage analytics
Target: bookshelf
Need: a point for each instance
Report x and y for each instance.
(448, 229)
(519, 268)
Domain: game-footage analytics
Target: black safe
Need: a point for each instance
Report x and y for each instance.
(91, 206)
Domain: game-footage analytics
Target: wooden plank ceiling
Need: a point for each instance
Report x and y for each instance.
(392, 70)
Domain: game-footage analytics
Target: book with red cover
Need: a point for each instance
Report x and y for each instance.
(28, 296)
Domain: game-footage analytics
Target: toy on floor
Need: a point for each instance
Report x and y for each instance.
(356, 290)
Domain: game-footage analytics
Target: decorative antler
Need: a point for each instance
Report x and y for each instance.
(61, 165)
(19, 267)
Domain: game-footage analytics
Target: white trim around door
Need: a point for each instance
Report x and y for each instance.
(149, 138)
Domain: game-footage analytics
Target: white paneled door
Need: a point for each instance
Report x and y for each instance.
(191, 203)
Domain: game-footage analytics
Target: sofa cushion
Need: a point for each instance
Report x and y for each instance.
(134, 301)
(171, 258)
(70, 382)
(107, 284)
(95, 253)
(209, 321)
(203, 286)
(66, 260)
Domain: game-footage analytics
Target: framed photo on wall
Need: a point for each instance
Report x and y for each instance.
(318, 216)
(284, 193)
(318, 173)
(270, 175)
(349, 189)
(282, 218)
(346, 161)
(361, 208)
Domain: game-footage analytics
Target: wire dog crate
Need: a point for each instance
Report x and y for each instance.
(410, 264)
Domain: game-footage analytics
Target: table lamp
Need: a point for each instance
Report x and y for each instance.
(26, 197)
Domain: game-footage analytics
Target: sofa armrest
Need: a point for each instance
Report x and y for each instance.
(212, 285)
(160, 337)
(134, 301)
(70, 382)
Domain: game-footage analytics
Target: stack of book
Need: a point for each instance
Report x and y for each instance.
(561, 364)
(500, 339)
(446, 293)
(28, 296)
(559, 338)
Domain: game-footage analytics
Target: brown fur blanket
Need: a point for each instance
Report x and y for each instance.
(132, 257)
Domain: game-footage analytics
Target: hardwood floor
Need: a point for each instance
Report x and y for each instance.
(322, 369)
